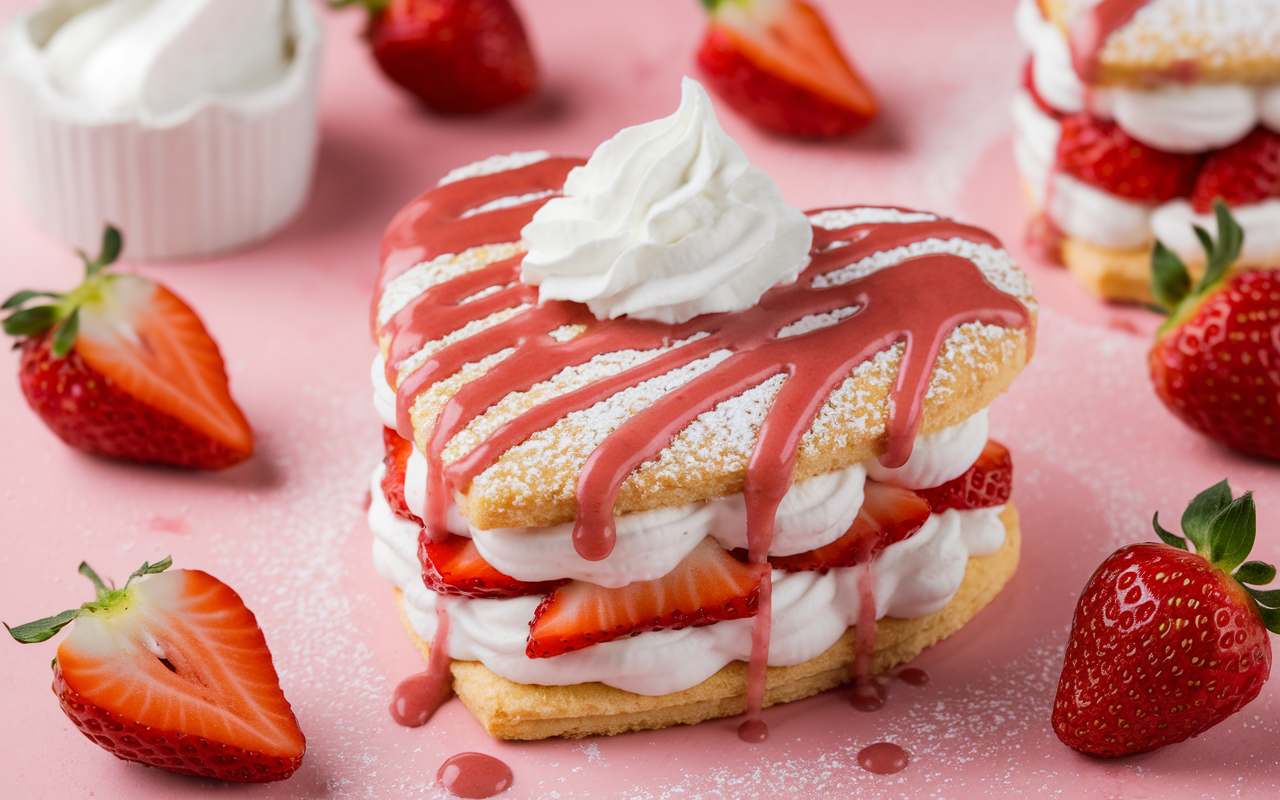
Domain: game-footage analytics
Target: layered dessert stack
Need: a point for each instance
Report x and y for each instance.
(1134, 116)
(662, 448)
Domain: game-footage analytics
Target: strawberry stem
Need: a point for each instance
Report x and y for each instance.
(105, 599)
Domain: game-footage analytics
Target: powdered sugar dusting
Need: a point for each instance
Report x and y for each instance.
(507, 202)
(495, 164)
(416, 280)
(406, 367)
(814, 322)
(837, 218)
(996, 265)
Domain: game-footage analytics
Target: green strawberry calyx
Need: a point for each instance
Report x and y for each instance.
(28, 320)
(108, 600)
(374, 6)
(1222, 531)
(1170, 280)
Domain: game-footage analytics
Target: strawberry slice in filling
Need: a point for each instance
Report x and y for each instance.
(987, 483)
(454, 566)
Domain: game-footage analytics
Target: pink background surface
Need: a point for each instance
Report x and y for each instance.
(1096, 453)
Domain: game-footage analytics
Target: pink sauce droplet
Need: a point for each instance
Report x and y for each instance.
(868, 694)
(753, 731)
(418, 697)
(914, 676)
(883, 758)
(474, 775)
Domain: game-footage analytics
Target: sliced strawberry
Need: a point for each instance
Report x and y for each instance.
(121, 367)
(1102, 155)
(454, 566)
(173, 671)
(398, 450)
(1029, 84)
(888, 515)
(708, 586)
(1246, 172)
(987, 483)
(776, 63)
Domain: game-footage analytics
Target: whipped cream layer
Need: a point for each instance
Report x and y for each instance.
(1093, 215)
(911, 579)
(1170, 116)
(666, 221)
(155, 58)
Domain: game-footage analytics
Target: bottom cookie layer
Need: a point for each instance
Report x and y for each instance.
(510, 710)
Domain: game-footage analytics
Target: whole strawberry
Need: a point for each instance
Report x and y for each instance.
(776, 63)
(122, 368)
(1167, 643)
(171, 670)
(457, 56)
(1214, 363)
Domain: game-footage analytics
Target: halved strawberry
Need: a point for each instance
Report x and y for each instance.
(776, 63)
(454, 566)
(122, 368)
(708, 586)
(888, 515)
(172, 671)
(398, 449)
(1099, 153)
(987, 483)
(1246, 172)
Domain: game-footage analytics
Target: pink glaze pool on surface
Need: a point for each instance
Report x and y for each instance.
(1095, 453)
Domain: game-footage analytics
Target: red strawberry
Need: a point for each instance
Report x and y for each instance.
(776, 63)
(122, 368)
(454, 566)
(1100, 154)
(172, 671)
(457, 56)
(1167, 643)
(1214, 362)
(1029, 84)
(1246, 172)
(708, 586)
(987, 483)
(398, 450)
(888, 515)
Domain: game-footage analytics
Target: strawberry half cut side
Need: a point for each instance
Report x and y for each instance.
(989, 482)
(398, 449)
(173, 671)
(776, 63)
(121, 367)
(708, 586)
(889, 514)
(454, 566)
(1167, 642)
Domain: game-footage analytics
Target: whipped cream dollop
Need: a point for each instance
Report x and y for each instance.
(158, 57)
(666, 221)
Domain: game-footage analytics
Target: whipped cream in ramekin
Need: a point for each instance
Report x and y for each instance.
(191, 125)
(666, 221)
(1173, 117)
(912, 578)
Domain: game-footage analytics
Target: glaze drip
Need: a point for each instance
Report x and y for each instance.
(1089, 32)
(890, 310)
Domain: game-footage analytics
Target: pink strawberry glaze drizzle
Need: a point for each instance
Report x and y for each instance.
(890, 311)
(474, 775)
(883, 758)
(1089, 32)
(418, 697)
(868, 694)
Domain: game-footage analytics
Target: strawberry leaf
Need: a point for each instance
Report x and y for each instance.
(1266, 599)
(112, 242)
(1271, 618)
(151, 569)
(1220, 255)
(1231, 533)
(1171, 539)
(22, 297)
(1170, 281)
(88, 572)
(42, 629)
(1257, 573)
(65, 337)
(31, 321)
(1201, 511)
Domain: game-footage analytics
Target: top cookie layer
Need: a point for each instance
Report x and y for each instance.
(450, 316)
(1205, 41)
